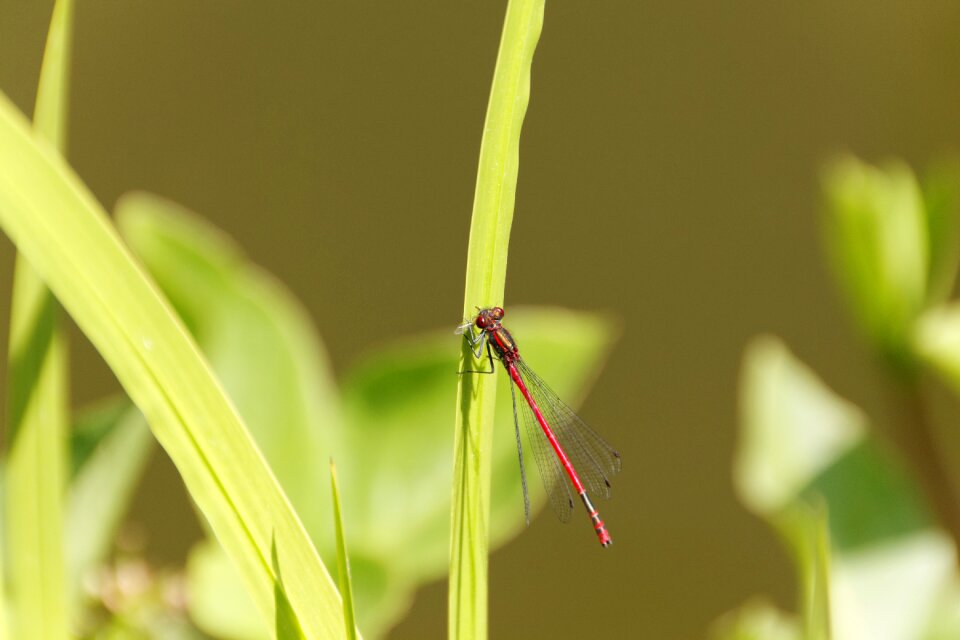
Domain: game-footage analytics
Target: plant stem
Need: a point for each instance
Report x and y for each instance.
(915, 437)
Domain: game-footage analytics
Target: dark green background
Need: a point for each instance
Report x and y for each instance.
(668, 175)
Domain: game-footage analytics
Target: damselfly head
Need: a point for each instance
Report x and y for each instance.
(489, 317)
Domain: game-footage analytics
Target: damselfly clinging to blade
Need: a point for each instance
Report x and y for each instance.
(569, 454)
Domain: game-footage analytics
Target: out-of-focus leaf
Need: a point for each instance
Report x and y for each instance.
(945, 623)
(102, 485)
(792, 427)
(258, 339)
(891, 590)
(937, 342)
(876, 233)
(757, 620)
(217, 601)
(941, 196)
(889, 565)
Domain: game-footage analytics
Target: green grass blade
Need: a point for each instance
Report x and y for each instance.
(65, 234)
(486, 275)
(343, 560)
(37, 399)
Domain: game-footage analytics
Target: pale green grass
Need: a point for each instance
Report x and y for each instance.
(486, 275)
(37, 400)
(343, 560)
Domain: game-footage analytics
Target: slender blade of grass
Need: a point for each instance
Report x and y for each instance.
(65, 234)
(486, 276)
(37, 398)
(343, 560)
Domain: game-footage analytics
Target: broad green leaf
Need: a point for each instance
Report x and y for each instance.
(343, 560)
(102, 486)
(486, 277)
(876, 233)
(792, 427)
(889, 565)
(38, 400)
(60, 228)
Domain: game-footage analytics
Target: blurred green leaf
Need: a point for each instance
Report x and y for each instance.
(937, 341)
(103, 484)
(941, 196)
(800, 444)
(792, 427)
(258, 339)
(64, 233)
(876, 234)
(218, 602)
(757, 620)
(38, 399)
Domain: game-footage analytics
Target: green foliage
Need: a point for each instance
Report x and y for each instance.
(883, 566)
(388, 425)
(60, 228)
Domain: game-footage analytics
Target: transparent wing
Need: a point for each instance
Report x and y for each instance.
(554, 478)
(592, 457)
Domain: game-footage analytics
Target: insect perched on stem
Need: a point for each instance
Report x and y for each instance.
(569, 454)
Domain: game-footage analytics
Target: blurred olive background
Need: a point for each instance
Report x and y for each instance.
(668, 176)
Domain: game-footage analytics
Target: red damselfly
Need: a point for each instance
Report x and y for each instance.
(569, 454)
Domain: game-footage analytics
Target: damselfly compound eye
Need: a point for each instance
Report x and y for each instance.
(497, 313)
(482, 321)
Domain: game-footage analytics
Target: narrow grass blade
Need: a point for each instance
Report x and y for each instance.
(343, 560)
(37, 399)
(486, 274)
(65, 234)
